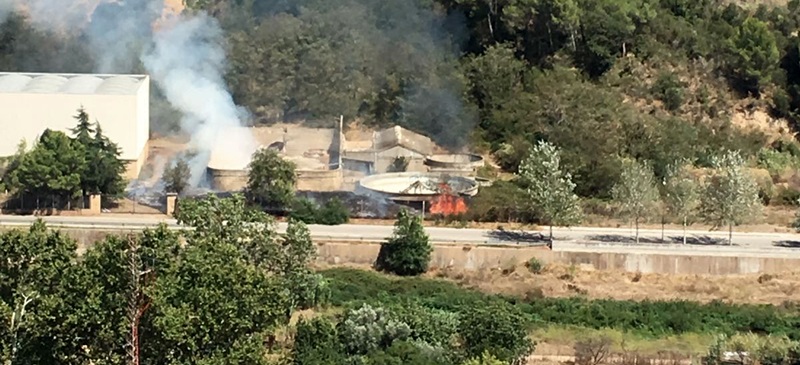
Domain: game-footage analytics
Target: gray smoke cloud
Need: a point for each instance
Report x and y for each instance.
(118, 32)
(184, 58)
(6, 7)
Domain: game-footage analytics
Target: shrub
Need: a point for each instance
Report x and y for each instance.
(669, 89)
(786, 196)
(499, 329)
(648, 318)
(534, 265)
(408, 251)
(333, 212)
(500, 202)
(366, 329)
(305, 211)
(316, 342)
(776, 162)
(592, 351)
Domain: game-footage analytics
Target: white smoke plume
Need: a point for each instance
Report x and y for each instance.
(184, 57)
(187, 62)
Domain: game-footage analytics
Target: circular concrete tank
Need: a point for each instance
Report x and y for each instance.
(227, 180)
(459, 161)
(414, 186)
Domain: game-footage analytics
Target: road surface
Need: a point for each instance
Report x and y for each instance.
(700, 240)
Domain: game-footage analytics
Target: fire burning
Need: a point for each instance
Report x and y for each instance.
(447, 203)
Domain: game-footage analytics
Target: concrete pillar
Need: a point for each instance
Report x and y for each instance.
(172, 200)
(95, 204)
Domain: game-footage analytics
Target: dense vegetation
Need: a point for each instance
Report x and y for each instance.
(216, 299)
(218, 294)
(351, 287)
(605, 80)
(58, 168)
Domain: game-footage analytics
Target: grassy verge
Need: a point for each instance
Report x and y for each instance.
(644, 319)
(559, 340)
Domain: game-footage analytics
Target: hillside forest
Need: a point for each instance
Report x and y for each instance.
(604, 80)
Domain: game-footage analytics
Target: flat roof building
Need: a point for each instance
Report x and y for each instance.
(33, 102)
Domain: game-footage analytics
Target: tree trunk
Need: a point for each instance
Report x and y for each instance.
(551, 233)
(637, 229)
(684, 229)
(730, 234)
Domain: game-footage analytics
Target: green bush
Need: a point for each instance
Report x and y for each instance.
(331, 213)
(499, 329)
(408, 251)
(316, 342)
(776, 162)
(534, 265)
(648, 318)
(669, 89)
(304, 210)
(503, 201)
(786, 196)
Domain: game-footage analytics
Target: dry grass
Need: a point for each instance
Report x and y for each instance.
(566, 281)
(559, 341)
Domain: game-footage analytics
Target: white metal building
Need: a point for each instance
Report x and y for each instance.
(33, 102)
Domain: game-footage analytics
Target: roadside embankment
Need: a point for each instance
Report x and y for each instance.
(661, 259)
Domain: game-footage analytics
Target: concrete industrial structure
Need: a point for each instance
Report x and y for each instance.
(387, 145)
(416, 186)
(327, 161)
(33, 102)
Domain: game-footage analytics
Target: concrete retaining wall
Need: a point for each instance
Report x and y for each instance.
(487, 257)
(319, 180)
(227, 180)
(307, 180)
(473, 257)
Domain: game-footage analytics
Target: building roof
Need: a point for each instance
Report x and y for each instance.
(84, 84)
(399, 136)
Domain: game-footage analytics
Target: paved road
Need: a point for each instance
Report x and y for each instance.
(613, 236)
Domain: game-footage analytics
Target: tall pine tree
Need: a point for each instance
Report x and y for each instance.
(103, 173)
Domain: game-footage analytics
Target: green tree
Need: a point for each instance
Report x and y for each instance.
(176, 177)
(681, 193)
(104, 169)
(285, 257)
(52, 168)
(495, 76)
(636, 191)
(270, 180)
(755, 55)
(608, 29)
(731, 193)
(408, 251)
(498, 329)
(12, 164)
(30, 282)
(550, 188)
(83, 131)
(107, 169)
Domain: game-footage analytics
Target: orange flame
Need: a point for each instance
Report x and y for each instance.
(447, 203)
